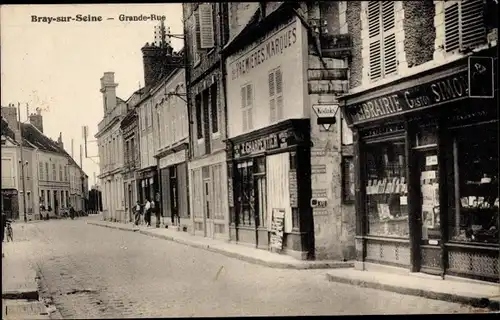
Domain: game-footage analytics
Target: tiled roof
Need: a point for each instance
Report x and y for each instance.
(34, 137)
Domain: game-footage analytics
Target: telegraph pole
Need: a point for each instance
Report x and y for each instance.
(22, 160)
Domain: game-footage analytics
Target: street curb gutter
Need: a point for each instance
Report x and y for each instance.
(271, 264)
(456, 298)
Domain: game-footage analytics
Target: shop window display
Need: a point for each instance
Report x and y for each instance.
(386, 189)
(476, 217)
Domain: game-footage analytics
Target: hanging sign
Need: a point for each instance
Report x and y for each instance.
(481, 77)
(326, 114)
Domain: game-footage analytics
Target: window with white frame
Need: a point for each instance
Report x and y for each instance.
(247, 106)
(40, 170)
(275, 78)
(382, 37)
(464, 24)
(149, 114)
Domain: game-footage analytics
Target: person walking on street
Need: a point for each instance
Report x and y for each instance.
(137, 216)
(157, 215)
(147, 213)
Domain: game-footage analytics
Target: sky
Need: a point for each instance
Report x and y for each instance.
(57, 66)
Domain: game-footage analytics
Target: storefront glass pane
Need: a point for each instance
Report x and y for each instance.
(476, 219)
(386, 191)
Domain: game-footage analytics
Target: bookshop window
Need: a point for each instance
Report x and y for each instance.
(476, 214)
(386, 192)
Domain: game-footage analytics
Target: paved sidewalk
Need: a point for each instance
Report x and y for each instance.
(20, 298)
(241, 252)
(475, 293)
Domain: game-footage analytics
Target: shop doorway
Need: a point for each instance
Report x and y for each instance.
(174, 210)
(208, 219)
(429, 244)
(130, 203)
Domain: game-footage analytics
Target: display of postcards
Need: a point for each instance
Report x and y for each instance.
(384, 211)
(464, 201)
(403, 180)
(428, 216)
(388, 187)
(403, 188)
(395, 186)
(382, 186)
(368, 187)
(480, 201)
(472, 201)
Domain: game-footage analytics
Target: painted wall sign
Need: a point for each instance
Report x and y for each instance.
(336, 45)
(273, 141)
(173, 158)
(319, 202)
(446, 89)
(327, 74)
(293, 188)
(274, 46)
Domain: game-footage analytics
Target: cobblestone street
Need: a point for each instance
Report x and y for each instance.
(95, 272)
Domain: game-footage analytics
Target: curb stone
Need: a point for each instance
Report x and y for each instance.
(51, 309)
(278, 265)
(456, 298)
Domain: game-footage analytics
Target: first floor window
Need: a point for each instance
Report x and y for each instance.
(213, 108)
(474, 217)
(247, 107)
(42, 198)
(49, 201)
(386, 191)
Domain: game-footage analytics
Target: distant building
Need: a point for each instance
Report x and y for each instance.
(110, 141)
(46, 169)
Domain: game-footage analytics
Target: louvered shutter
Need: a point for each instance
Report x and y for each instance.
(206, 26)
(249, 107)
(375, 41)
(389, 44)
(243, 107)
(451, 28)
(272, 101)
(473, 31)
(279, 93)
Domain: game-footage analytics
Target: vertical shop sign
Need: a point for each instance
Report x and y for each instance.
(277, 228)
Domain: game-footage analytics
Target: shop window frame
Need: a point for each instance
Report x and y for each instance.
(370, 142)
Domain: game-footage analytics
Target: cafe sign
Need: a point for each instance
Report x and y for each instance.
(273, 141)
(446, 89)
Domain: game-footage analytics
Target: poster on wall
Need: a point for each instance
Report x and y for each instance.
(277, 228)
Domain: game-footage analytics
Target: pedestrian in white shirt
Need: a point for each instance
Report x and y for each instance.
(147, 213)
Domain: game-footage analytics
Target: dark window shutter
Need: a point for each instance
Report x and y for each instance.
(473, 31)
(451, 28)
(373, 18)
(375, 60)
(206, 23)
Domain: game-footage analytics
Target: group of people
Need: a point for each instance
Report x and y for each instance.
(144, 212)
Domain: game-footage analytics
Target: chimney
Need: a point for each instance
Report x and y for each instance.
(59, 141)
(36, 119)
(108, 90)
(10, 115)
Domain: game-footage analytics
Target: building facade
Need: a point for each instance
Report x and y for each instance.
(47, 167)
(286, 171)
(131, 155)
(422, 106)
(206, 32)
(110, 143)
(171, 147)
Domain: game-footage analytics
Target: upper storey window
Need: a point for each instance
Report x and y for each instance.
(382, 38)
(464, 24)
